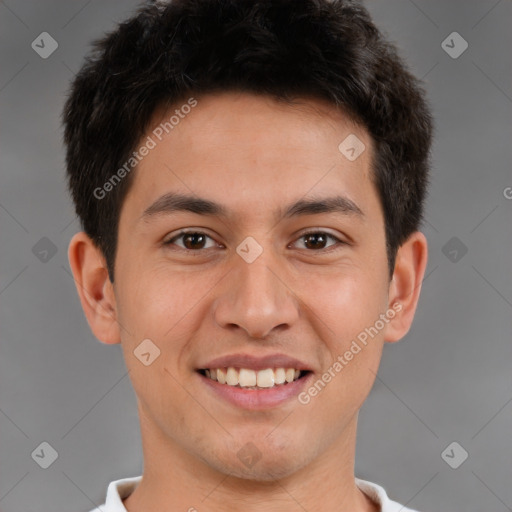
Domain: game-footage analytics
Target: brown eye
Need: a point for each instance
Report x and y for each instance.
(317, 240)
(194, 240)
(191, 240)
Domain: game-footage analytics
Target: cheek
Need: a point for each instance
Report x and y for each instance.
(149, 295)
(166, 306)
(348, 302)
(349, 307)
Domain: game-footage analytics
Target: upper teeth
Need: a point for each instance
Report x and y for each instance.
(247, 378)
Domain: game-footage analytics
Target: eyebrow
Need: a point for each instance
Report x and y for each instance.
(174, 202)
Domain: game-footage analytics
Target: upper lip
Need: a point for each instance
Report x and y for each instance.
(256, 363)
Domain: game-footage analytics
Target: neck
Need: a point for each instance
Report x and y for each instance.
(173, 480)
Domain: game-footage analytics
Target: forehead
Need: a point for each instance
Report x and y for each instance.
(229, 118)
(248, 152)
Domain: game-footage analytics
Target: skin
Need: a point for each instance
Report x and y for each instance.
(198, 301)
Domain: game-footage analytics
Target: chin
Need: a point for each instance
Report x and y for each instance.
(261, 472)
(265, 466)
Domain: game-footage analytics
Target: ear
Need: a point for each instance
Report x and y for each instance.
(94, 288)
(405, 285)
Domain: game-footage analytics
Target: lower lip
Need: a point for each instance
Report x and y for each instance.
(257, 399)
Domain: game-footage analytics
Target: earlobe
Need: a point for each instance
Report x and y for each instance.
(405, 285)
(94, 288)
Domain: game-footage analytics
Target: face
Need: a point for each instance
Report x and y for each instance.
(282, 266)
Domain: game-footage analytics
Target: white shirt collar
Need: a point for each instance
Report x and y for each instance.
(121, 489)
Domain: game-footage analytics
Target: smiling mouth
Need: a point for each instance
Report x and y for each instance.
(247, 378)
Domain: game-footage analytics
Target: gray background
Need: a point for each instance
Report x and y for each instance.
(448, 380)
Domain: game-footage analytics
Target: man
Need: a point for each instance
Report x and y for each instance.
(250, 177)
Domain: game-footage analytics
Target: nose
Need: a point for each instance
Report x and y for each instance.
(256, 298)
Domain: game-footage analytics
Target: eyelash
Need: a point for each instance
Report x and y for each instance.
(313, 232)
